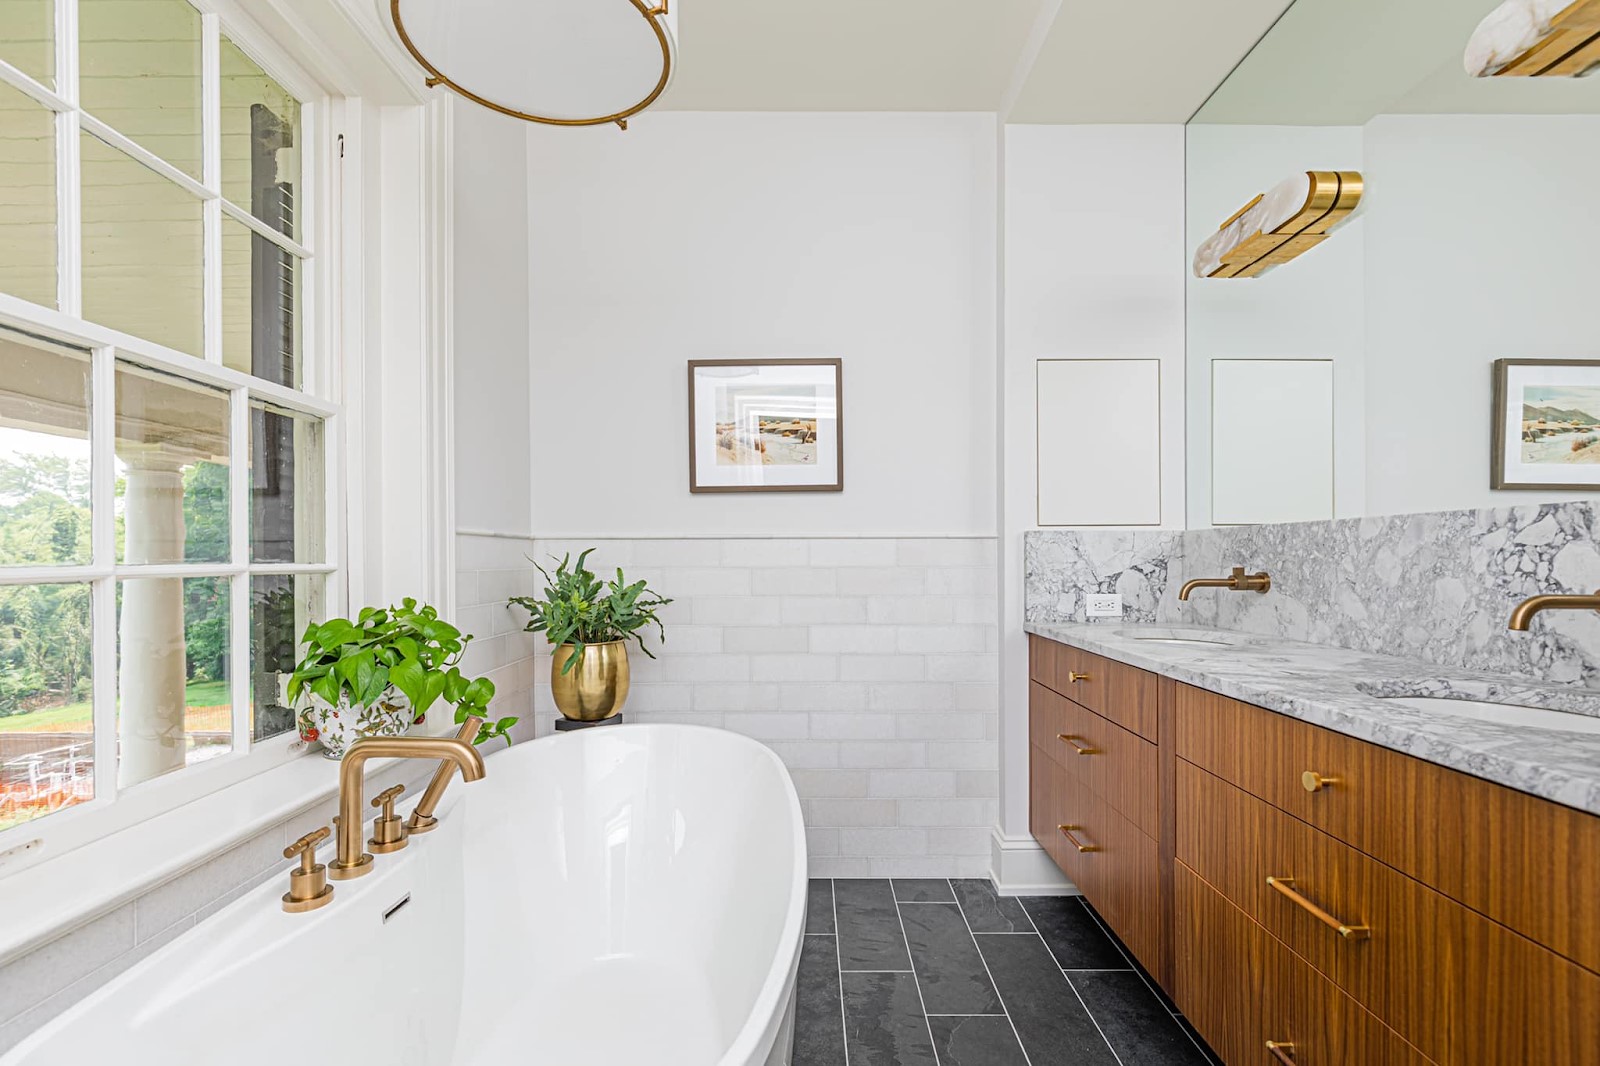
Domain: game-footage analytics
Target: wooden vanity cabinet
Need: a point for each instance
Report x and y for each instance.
(1416, 915)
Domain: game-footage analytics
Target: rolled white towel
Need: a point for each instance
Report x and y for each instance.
(1507, 32)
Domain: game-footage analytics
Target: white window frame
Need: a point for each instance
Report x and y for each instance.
(322, 374)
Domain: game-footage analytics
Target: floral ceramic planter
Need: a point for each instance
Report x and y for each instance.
(337, 726)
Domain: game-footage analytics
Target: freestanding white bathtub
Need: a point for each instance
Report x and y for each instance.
(621, 896)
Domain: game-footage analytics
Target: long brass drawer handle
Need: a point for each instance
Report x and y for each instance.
(1079, 748)
(1282, 1051)
(1074, 677)
(1068, 830)
(1349, 932)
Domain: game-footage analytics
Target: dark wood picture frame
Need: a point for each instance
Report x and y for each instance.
(837, 485)
(1500, 385)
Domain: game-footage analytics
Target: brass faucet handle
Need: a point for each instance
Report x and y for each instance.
(386, 798)
(388, 832)
(306, 847)
(308, 885)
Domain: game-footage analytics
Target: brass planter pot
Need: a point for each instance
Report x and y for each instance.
(597, 687)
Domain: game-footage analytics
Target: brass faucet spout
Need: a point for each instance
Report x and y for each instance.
(353, 861)
(1238, 581)
(422, 819)
(1522, 614)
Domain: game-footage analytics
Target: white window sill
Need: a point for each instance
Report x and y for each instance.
(57, 894)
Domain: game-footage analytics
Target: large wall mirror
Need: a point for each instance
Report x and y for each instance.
(1355, 377)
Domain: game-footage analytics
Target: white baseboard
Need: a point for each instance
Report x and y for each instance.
(1020, 867)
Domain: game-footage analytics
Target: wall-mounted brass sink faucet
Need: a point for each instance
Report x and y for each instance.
(1239, 581)
(1523, 613)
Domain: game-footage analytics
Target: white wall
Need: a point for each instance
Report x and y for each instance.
(1094, 243)
(494, 449)
(1481, 237)
(1309, 309)
(867, 237)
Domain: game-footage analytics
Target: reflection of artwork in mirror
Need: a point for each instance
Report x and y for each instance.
(765, 425)
(1547, 424)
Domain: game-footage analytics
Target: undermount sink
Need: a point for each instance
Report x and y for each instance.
(1502, 713)
(1200, 638)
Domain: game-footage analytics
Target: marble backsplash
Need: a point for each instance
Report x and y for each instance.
(1437, 587)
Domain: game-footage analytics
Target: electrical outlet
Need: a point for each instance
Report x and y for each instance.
(1104, 605)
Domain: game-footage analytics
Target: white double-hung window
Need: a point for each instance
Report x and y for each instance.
(167, 436)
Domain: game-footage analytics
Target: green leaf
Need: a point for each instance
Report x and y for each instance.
(410, 678)
(433, 688)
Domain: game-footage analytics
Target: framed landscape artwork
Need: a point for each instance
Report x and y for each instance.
(1546, 424)
(766, 425)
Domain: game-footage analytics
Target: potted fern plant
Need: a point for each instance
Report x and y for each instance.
(589, 623)
(378, 674)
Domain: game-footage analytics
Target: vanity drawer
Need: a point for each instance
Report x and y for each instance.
(1528, 863)
(1240, 988)
(1118, 766)
(1122, 693)
(1463, 989)
(1118, 870)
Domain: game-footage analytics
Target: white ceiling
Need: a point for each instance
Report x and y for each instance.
(1153, 61)
(848, 55)
(1098, 61)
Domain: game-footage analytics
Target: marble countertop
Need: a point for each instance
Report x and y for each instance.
(1344, 691)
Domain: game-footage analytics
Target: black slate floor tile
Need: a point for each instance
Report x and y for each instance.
(869, 926)
(1139, 1027)
(949, 969)
(988, 912)
(1046, 1012)
(1076, 939)
(923, 890)
(986, 1041)
(819, 905)
(819, 1019)
(884, 1024)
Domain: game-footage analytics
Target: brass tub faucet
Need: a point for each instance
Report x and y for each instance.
(352, 861)
(1238, 582)
(1523, 613)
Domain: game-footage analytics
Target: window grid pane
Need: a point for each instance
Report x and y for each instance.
(260, 305)
(143, 250)
(260, 141)
(140, 74)
(44, 455)
(28, 216)
(174, 702)
(173, 452)
(46, 709)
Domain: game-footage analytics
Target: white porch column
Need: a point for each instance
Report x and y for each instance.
(150, 727)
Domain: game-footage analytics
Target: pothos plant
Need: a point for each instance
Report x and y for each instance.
(407, 646)
(579, 609)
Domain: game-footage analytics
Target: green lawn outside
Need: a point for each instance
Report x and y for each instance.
(198, 694)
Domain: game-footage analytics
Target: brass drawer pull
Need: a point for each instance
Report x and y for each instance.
(1312, 781)
(1068, 830)
(1074, 677)
(1349, 932)
(1079, 748)
(1281, 1051)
